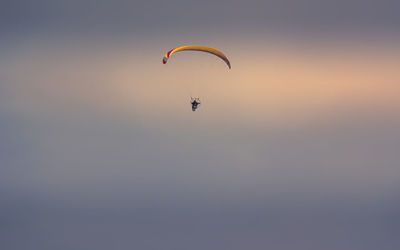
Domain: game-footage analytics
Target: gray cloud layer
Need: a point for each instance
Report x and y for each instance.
(177, 15)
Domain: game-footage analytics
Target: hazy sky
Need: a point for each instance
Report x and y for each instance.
(178, 16)
(295, 147)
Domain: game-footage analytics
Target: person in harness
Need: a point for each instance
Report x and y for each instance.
(195, 103)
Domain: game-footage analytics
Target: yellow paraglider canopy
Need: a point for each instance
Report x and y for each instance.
(197, 48)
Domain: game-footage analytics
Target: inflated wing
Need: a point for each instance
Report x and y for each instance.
(197, 48)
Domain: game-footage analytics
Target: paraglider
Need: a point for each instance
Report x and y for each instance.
(195, 102)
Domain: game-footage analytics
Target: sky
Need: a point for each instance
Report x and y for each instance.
(295, 147)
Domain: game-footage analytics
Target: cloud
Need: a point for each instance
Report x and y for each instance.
(178, 16)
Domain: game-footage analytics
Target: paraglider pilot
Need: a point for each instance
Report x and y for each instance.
(195, 103)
